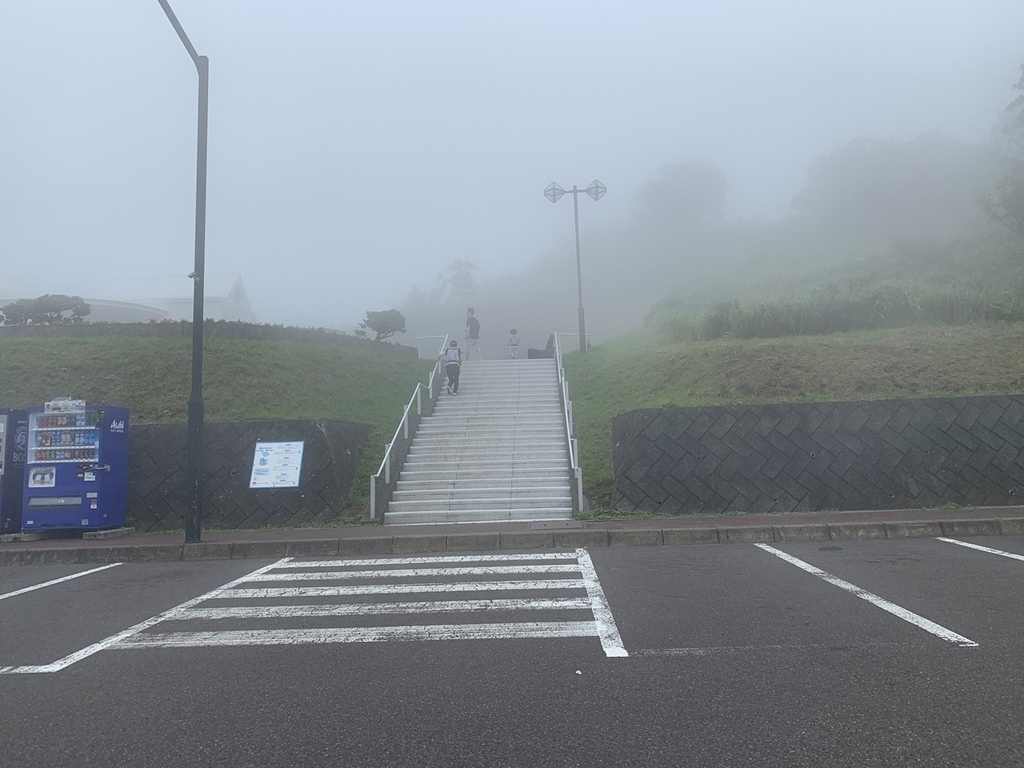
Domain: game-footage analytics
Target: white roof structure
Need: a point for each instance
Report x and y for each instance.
(133, 300)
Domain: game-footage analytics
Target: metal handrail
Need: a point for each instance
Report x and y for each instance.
(574, 449)
(403, 429)
(437, 366)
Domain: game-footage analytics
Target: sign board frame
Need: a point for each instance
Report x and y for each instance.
(277, 465)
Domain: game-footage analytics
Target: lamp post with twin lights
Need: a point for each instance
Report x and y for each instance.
(596, 190)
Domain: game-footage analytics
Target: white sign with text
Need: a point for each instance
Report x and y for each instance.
(277, 465)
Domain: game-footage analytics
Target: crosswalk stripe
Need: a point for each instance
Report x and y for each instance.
(387, 589)
(369, 609)
(421, 559)
(505, 631)
(249, 598)
(493, 570)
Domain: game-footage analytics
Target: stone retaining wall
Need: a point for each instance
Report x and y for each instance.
(156, 474)
(887, 454)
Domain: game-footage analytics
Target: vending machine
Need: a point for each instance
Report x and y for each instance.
(76, 473)
(13, 442)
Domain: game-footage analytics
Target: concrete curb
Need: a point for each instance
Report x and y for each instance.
(357, 546)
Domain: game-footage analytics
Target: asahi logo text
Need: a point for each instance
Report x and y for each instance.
(117, 425)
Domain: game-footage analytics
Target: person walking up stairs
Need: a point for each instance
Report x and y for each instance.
(498, 452)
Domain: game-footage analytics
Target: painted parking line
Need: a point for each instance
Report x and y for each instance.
(902, 613)
(443, 572)
(113, 640)
(34, 587)
(980, 548)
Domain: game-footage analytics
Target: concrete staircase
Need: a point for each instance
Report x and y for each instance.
(495, 452)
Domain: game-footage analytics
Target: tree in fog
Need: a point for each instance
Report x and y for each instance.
(684, 194)
(1005, 203)
(384, 324)
(456, 282)
(874, 191)
(51, 309)
(1009, 132)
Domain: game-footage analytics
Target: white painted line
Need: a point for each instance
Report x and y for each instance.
(607, 631)
(423, 559)
(512, 631)
(982, 549)
(885, 605)
(57, 581)
(397, 589)
(404, 573)
(113, 640)
(368, 609)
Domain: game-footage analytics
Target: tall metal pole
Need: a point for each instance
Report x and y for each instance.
(194, 445)
(554, 192)
(579, 267)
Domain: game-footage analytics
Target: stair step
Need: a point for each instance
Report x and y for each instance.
(494, 452)
(484, 439)
(490, 475)
(448, 494)
(487, 465)
(431, 482)
(488, 449)
(434, 505)
(484, 425)
(478, 516)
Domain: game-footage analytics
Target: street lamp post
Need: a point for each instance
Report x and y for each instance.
(194, 446)
(596, 190)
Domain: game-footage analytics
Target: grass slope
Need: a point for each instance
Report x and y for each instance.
(251, 380)
(242, 381)
(630, 374)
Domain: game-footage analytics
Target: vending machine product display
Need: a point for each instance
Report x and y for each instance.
(76, 473)
(13, 442)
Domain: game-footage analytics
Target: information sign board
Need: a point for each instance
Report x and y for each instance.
(277, 465)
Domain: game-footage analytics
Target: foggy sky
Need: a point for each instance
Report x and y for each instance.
(358, 148)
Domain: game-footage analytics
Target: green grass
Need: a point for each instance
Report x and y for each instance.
(640, 372)
(252, 380)
(242, 381)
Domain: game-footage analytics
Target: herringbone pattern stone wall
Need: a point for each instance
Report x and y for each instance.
(887, 454)
(156, 474)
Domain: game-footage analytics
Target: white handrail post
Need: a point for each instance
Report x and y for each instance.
(373, 497)
(387, 466)
(419, 400)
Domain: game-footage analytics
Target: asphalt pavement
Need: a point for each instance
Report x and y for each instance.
(132, 546)
(873, 653)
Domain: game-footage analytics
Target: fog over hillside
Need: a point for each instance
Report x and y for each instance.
(357, 152)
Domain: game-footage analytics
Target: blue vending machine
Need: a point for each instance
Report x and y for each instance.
(76, 474)
(13, 442)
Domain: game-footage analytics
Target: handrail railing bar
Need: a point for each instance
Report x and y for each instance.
(403, 428)
(405, 415)
(573, 444)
